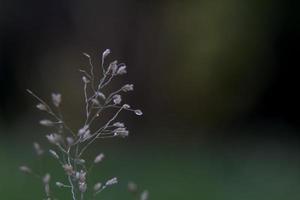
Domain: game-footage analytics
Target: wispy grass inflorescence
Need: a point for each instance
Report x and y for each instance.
(69, 145)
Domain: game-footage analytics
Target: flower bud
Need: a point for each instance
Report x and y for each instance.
(41, 106)
(97, 186)
(99, 158)
(105, 53)
(127, 88)
(111, 181)
(46, 178)
(138, 112)
(25, 169)
(39, 151)
(46, 122)
(144, 195)
(122, 70)
(59, 184)
(56, 99)
(82, 187)
(117, 99)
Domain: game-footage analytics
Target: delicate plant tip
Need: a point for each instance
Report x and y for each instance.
(46, 122)
(86, 55)
(97, 186)
(105, 53)
(41, 106)
(39, 151)
(119, 125)
(132, 187)
(68, 169)
(46, 178)
(99, 158)
(83, 130)
(117, 99)
(144, 195)
(80, 161)
(70, 141)
(113, 67)
(121, 132)
(138, 112)
(86, 135)
(56, 99)
(126, 106)
(81, 176)
(59, 184)
(111, 181)
(127, 88)
(25, 169)
(53, 153)
(54, 138)
(85, 80)
(122, 70)
(82, 187)
(95, 102)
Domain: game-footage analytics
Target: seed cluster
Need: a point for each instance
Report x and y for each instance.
(69, 145)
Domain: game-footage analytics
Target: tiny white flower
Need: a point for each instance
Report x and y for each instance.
(85, 80)
(59, 184)
(70, 140)
(82, 187)
(56, 99)
(117, 99)
(97, 186)
(39, 151)
(126, 106)
(99, 158)
(41, 106)
(25, 169)
(122, 70)
(144, 195)
(105, 53)
(127, 88)
(82, 131)
(46, 122)
(68, 169)
(138, 112)
(54, 138)
(113, 66)
(111, 181)
(46, 178)
(119, 124)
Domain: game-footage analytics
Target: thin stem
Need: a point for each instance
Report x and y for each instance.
(104, 84)
(92, 74)
(86, 101)
(105, 126)
(49, 110)
(71, 182)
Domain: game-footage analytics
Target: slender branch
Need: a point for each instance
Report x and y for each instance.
(71, 182)
(105, 126)
(49, 110)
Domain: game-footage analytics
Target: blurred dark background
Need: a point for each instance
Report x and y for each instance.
(217, 81)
